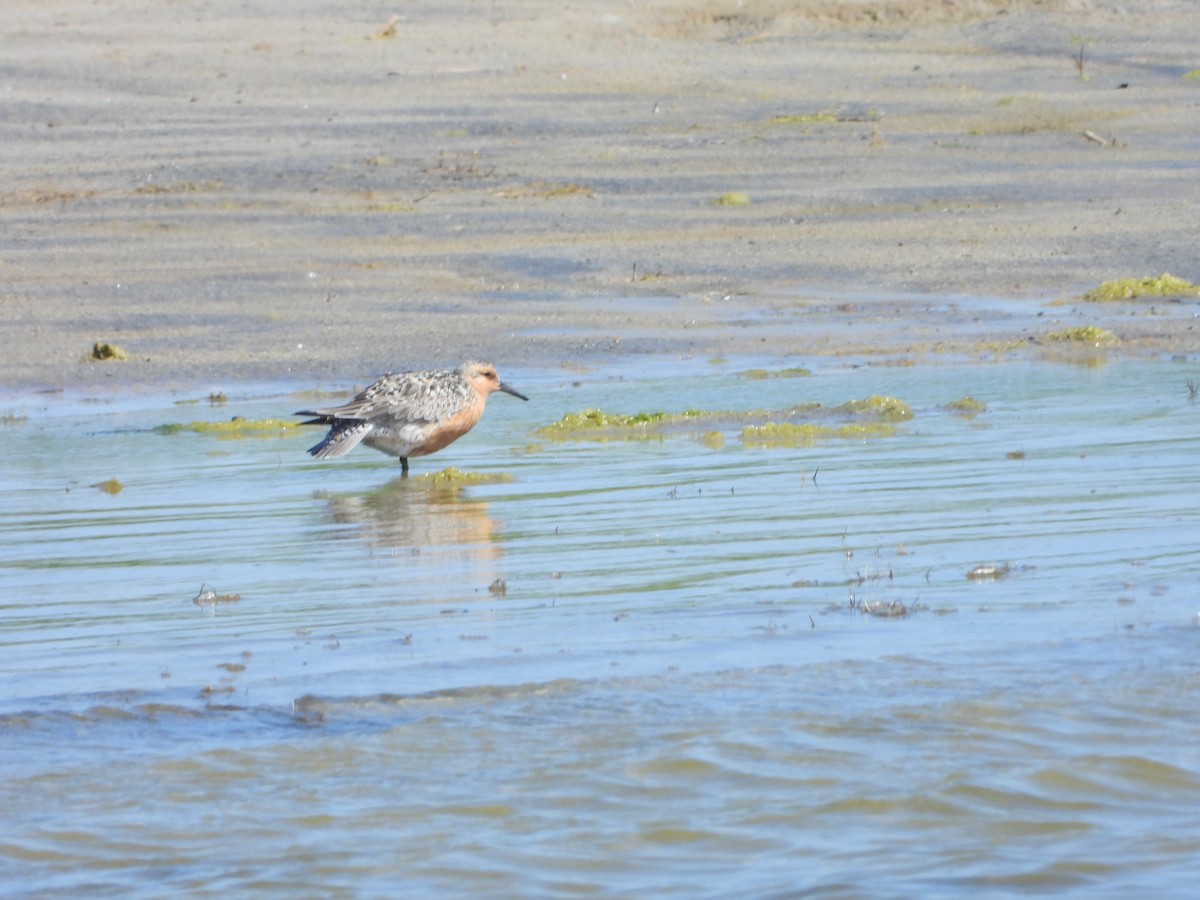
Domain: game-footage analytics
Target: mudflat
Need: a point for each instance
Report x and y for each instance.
(313, 191)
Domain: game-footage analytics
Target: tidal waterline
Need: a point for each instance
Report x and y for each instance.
(639, 665)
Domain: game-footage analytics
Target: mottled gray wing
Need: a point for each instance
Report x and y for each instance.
(407, 397)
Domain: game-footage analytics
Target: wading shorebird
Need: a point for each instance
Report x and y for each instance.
(409, 413)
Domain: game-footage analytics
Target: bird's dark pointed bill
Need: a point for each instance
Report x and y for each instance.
(504, 387)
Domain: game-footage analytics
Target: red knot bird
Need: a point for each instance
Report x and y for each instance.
(409, 413)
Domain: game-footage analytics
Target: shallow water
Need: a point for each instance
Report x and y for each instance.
(682, 687)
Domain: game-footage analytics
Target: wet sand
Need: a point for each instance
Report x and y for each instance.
(294, 191)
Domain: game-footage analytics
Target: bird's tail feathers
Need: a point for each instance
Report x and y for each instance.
(344, 436)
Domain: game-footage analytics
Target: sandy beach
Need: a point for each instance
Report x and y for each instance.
(315, 192)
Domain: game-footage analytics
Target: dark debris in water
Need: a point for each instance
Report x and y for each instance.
(884, 609)
(111, 486)
(966, 406)
(989, 572)
(878, 609)
(207, 597)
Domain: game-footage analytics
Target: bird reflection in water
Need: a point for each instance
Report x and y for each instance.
(427, 526)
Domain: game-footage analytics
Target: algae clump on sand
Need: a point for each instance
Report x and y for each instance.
(108, 352)
(733, 198)
(803, 119)
(1165, 285)
(1085, 334)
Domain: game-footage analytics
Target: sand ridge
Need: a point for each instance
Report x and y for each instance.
(302, 191)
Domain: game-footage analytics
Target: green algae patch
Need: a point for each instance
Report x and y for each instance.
(1165, 285)
(804, 423)
(967, 406)
(545, 189)
(998, 348)
(314, 397)
(231, 429)
(764, 374)
(1193, 75)
(789, 434)
(597, 425)
(567, 190)
(455, 479)
(112, 486)
(887, 409)
(105, 352)
(181, 187)
(1084, 336)
(216, 398)
(803, 119)
(595, 418)
(733, 198)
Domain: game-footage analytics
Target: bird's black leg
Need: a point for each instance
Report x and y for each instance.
(404, 467)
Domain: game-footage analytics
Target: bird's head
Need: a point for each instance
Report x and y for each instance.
(483, 377)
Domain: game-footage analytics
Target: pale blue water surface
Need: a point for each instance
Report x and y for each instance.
(681, 689)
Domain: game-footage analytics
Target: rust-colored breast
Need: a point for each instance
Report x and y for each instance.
(448, 430)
